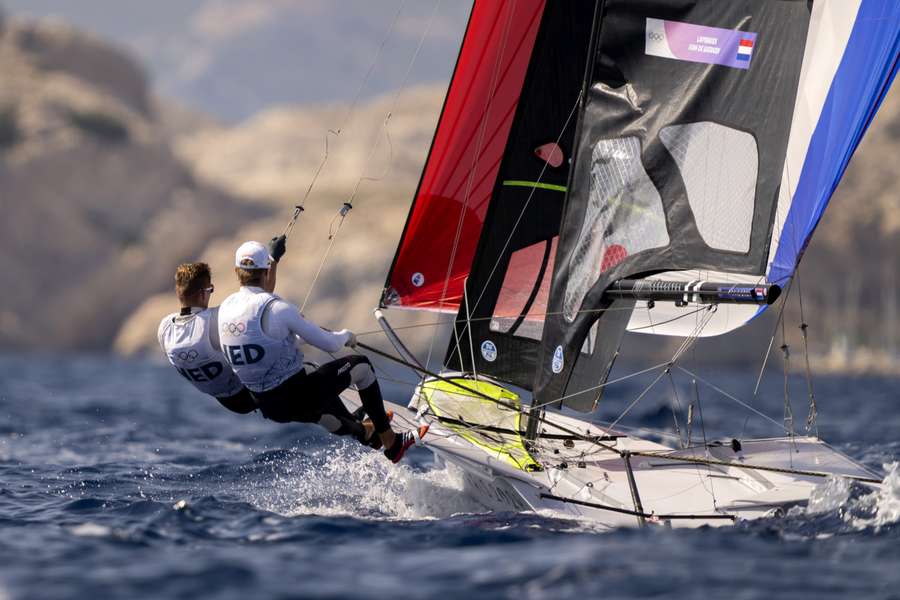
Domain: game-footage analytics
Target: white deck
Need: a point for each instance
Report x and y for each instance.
(582, 471)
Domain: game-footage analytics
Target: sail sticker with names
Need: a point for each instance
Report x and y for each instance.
(699, 43)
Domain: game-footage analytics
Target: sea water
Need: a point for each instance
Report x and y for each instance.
(118, 480)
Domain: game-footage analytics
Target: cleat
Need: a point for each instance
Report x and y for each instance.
(403, 442)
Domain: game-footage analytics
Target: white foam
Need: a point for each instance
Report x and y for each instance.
(351, 481)
(877, 509)
(884, 503)
(828, 496)
(91, 530)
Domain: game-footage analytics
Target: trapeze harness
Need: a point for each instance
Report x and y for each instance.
(259, 333)
(191, 343)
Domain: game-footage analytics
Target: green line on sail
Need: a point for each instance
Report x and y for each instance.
(534, 184)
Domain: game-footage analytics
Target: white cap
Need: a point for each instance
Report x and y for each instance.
(252, 255)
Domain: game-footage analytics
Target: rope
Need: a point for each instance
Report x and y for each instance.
(351, 110)
(337, 222)
(594, 440)
(524, 208)
(762, 368)
(473, 319)
(813, 411)
(652, 517)
(476, 158)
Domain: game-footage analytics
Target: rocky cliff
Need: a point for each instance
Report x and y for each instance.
(104, 189)
(97, 209)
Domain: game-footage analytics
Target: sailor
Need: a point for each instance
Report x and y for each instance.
(261, 333)
(190, 340)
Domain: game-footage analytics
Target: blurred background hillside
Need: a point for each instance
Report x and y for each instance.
(137, 136)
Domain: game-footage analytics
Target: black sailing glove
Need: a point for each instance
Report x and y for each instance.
(277, 247)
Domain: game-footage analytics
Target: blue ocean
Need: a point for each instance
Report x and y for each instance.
(118, 480)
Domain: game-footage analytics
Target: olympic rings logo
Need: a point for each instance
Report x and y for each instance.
(187, 356)
(656, 37)
(234, 328)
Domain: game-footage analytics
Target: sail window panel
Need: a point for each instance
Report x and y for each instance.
(522, 303)
(624, 216)
(719, 167)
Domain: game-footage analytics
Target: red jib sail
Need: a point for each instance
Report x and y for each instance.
(445, 222)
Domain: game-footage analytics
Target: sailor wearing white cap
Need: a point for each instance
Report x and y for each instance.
(260, 331)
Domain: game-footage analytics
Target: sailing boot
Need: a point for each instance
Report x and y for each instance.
(402, 442)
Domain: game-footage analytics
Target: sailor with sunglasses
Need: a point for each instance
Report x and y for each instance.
(190, 340)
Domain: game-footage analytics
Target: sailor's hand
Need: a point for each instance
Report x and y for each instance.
(351, 340)
(277, 247)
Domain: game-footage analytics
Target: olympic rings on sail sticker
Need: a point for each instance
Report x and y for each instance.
(489, 350)
(418, 279)
(234, 328)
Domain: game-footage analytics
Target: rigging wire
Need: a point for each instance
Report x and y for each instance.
(785, 296)
(348, 116)
(712, 485)
(733, 397)
(813, 412)
(474, 319)
(476, 158)
(524, 208)
(665, 365)
(337, 221)
(661, 454)
(676, 408)
(686, 343)
(788, 409)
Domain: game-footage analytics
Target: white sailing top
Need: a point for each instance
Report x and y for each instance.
(260, 332)
(191, 343)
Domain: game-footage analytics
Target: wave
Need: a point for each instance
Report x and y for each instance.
(343, 480)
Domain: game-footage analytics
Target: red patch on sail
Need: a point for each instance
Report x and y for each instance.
(551, 153)
(614, 255)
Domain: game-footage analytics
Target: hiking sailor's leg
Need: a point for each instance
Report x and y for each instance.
(339, 421)
(362, 375)
(337, 375)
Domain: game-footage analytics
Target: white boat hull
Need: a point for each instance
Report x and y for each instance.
(583, 480)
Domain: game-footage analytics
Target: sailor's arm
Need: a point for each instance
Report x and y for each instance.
(282, 314)
(329, 341)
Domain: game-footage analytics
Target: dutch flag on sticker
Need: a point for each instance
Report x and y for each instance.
(745, 49)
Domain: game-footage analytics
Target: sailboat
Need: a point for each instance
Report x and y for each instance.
(613, 166)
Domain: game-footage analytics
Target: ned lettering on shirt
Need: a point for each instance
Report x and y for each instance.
(260, 335)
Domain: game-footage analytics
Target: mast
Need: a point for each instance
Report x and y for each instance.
(535, 415)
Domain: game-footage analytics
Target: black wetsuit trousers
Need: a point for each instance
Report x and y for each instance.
(241, 403)
(307, 397)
